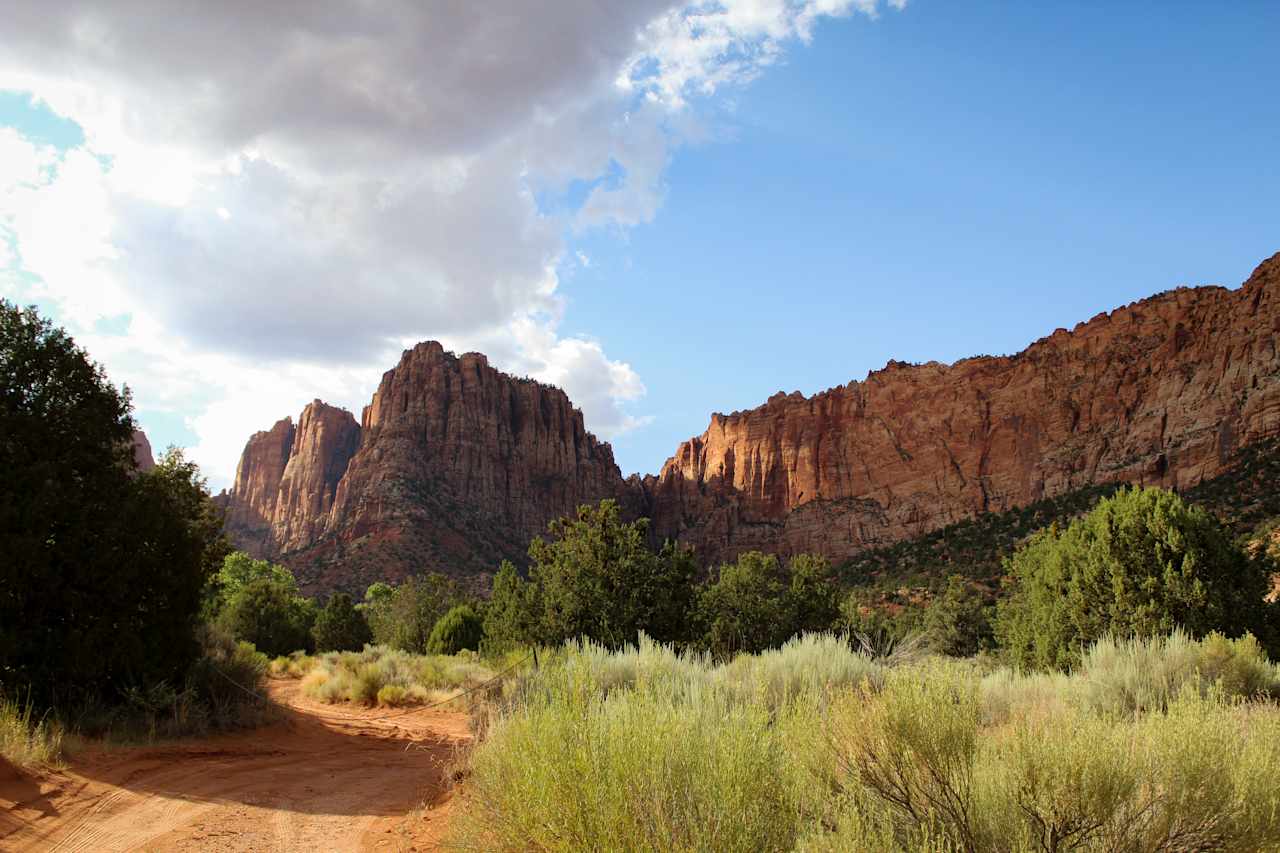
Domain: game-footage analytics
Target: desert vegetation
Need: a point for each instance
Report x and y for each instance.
(1110, 687)
(1155, 744)
(378, 675)
(104, 565)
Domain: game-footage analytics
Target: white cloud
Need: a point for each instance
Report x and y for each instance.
(700, 48)
(280, 195)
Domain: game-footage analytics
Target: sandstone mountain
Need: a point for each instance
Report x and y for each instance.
(142, 456)
(455, 465)
(1159, 392)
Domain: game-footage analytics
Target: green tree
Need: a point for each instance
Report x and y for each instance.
(743, 609)
(511, 613)
(238, 569)
(596, 577)
(958, 622)
(270, 615)
(402, 616)
(458, 629)
(1140, 563)
(100, 568)
(340, 626)
(754, 603)
(813, 596)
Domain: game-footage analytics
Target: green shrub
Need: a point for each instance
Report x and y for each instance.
(958, 621)
(639, 771)
(755, 604)
(817, 746)
(1139, 564)
(361, 676)
(392, 694)
(914, 746)
(403, 616)
(510, 614)
(340, 627)
(269, 614)
(222, 690)
(229, 681)
(1148, 674)
(458, 630)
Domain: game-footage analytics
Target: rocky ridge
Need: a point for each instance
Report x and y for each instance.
(455, 465)
(1161, 392)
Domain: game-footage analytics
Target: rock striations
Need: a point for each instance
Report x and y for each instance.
(455, 465)
(1159, 392)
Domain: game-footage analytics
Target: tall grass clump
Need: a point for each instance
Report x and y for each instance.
(656, 769)
(1146, 674)
(383, 676)
(919, 771)
(809, 663)
(1158, 745)
(25, 739)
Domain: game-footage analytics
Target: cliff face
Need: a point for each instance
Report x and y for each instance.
(454, 467)
(142, 456)
(286, 480)
(251, 504)
(1159, 392)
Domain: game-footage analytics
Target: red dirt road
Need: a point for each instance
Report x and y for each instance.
(325, 778)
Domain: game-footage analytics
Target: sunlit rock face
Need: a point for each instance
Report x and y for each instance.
(1158, 392)
(454, 465)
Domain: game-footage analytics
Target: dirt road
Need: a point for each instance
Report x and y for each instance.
(325, 778)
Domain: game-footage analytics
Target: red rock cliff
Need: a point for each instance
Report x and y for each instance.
(455, 467)
(251, 503)
(1160, 392)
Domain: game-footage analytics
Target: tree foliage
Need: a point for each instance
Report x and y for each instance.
(100, 567)
(457, 630)
(340, 626)
(595, 577)
(755, 603)
(403, 616)
(237, 571)
(1139, 564)
(510, 619)
(958, 620)
(270, 615)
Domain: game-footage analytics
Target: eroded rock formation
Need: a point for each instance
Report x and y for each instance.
(455, 465)
(1160, 392)
(142, 456)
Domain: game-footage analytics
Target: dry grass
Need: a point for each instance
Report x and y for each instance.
(1159, 745)
(382, 676)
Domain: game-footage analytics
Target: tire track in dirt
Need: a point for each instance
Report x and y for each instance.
(322, 779)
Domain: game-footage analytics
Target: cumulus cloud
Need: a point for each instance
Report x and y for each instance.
(278, 196)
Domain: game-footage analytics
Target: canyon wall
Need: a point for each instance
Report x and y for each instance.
(1158, 392)
(454, 466)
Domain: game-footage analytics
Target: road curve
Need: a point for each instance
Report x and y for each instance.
(324, 778)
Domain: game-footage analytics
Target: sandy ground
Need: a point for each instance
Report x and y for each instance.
(324, 778)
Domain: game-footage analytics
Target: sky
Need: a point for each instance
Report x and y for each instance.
(666, 209)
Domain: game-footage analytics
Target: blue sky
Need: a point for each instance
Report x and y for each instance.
(933, 182)
(960, 178)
